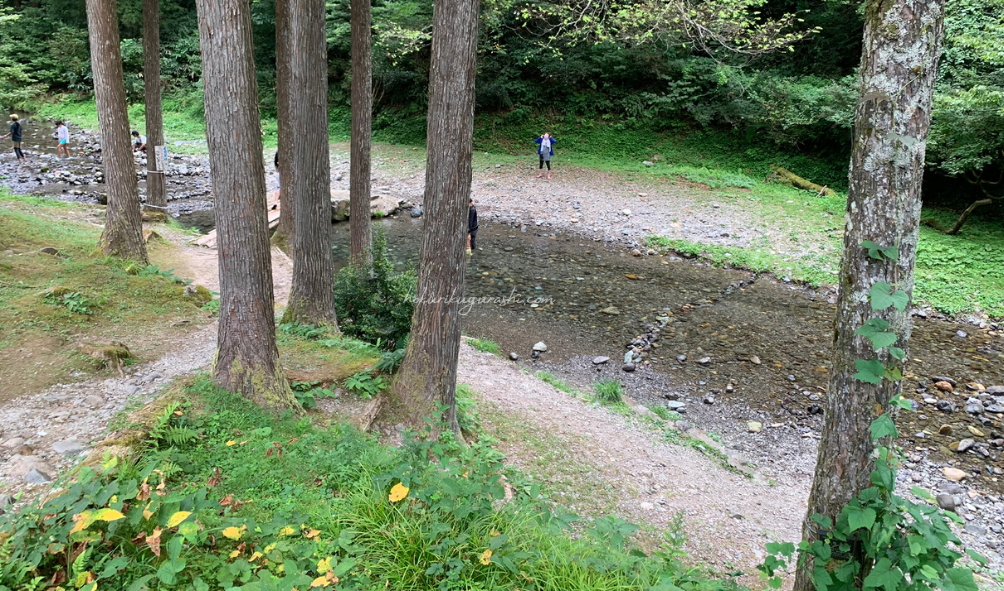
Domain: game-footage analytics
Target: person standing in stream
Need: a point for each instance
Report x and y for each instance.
(472, 226)
(545, 150)
(63, 136)
(15, 137)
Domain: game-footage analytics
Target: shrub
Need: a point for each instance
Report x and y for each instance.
(375, 303)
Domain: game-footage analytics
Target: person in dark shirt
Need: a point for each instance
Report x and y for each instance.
(15, 137)
(472, 227)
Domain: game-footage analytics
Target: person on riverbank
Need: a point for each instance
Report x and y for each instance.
(472, 227)
(278, 183)
(545, 149)
(138, 142)
(63, 137)
(15, 137)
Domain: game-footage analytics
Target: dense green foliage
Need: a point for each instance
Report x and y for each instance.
(374, 303)
(221, 498)
(535, 71)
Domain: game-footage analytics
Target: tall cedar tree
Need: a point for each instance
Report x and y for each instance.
(247, 360)
(156, 199)
(123, 233)
(428, 372)
(312, 296)
(286, 229)
(902, 43)
(360, 235)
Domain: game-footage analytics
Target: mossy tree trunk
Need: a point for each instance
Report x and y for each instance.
(902, 43)
(312, 296)
(123, 232)
(286, 229)
(156, 199)
(428, 373)
(247, 360)
(360, 233)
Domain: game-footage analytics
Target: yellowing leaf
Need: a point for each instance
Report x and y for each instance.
(231, 443)
(83, 520)
(486, 557)
(319, 582)
(286, 531)
(324, 565)
(107, 515)
(398, 492)
(234, 533)
(177, 518)
(312, 534)
(235, 554)
(147, 513)
(269, 548)
(255, 556)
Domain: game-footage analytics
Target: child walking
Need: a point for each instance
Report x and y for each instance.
(63, 136)
(15, 137)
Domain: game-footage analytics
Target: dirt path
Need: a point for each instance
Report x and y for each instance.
(598, 462)
(44, 434)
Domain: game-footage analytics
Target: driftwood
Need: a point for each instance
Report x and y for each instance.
(801, 183)
(959, 222)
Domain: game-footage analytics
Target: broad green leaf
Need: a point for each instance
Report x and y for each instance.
(860, 518)
(922, 493)
(883, 427)
(877, 331)
(883, 297)
(883, 575)
(871, 371)
(897, 353)
(959, 579)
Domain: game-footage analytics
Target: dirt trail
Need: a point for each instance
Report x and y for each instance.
(44, 434)
(727, 517)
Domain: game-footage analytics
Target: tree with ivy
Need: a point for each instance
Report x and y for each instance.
(902, 44)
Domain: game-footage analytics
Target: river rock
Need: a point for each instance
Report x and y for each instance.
(709, 399)
(681, 358)
(37, 477)
(540, 347)
(13, 445)
(995, 408)
(946, 502)
(945, 406)
(976, 432)
(995, 390)
(48, 250)
(961, 446)
(944, 386)
(954, 474)
(945, 430)
(416, 211)
(677, 406)
(600, 360)
(974, 407)
(514, 356)
(755, 360)
(612, 311)
(628, 367)
(937, 379)
(754, 427)
(68, 447)
(19, 466)
(704, 361)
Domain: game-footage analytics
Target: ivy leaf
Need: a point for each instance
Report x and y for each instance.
(873, 249)
(876, 331)
(879, 252)
(897, 353)
(860, 518)
(901, 402)
(870, 371)
(958, 579)
(883, 427)
(885, 576)
(882, 297)
(922, 493)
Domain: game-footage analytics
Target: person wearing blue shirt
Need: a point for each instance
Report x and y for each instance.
(545, 149)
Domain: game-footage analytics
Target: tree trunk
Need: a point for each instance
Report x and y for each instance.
(959, 222)
(286, 229)
(156, 200)
(123, 233)
(902, 42)
(312, 296)
(801, 183)
(428, 372)
(360, 236)
(247, 360)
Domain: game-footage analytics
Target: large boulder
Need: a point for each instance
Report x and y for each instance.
(380, 205)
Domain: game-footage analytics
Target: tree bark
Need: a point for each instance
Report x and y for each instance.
(155, 196)
(428, 373)
(286, 230)
(247, 360)
(123, 232)
(360, 234)
(312, 296)
(902, 43)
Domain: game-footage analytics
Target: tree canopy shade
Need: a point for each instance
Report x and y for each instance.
(902, 44)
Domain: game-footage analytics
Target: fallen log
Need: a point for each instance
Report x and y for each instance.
(801, 183)
(959, 222)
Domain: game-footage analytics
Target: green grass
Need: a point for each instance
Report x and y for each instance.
(485, 346)
(42, 336)
(274, 502)
(557, 382)
(608, 391)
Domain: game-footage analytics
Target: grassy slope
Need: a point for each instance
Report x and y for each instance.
(38, 343)
(957, 275)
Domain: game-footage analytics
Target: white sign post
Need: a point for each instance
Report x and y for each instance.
(160, 160)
